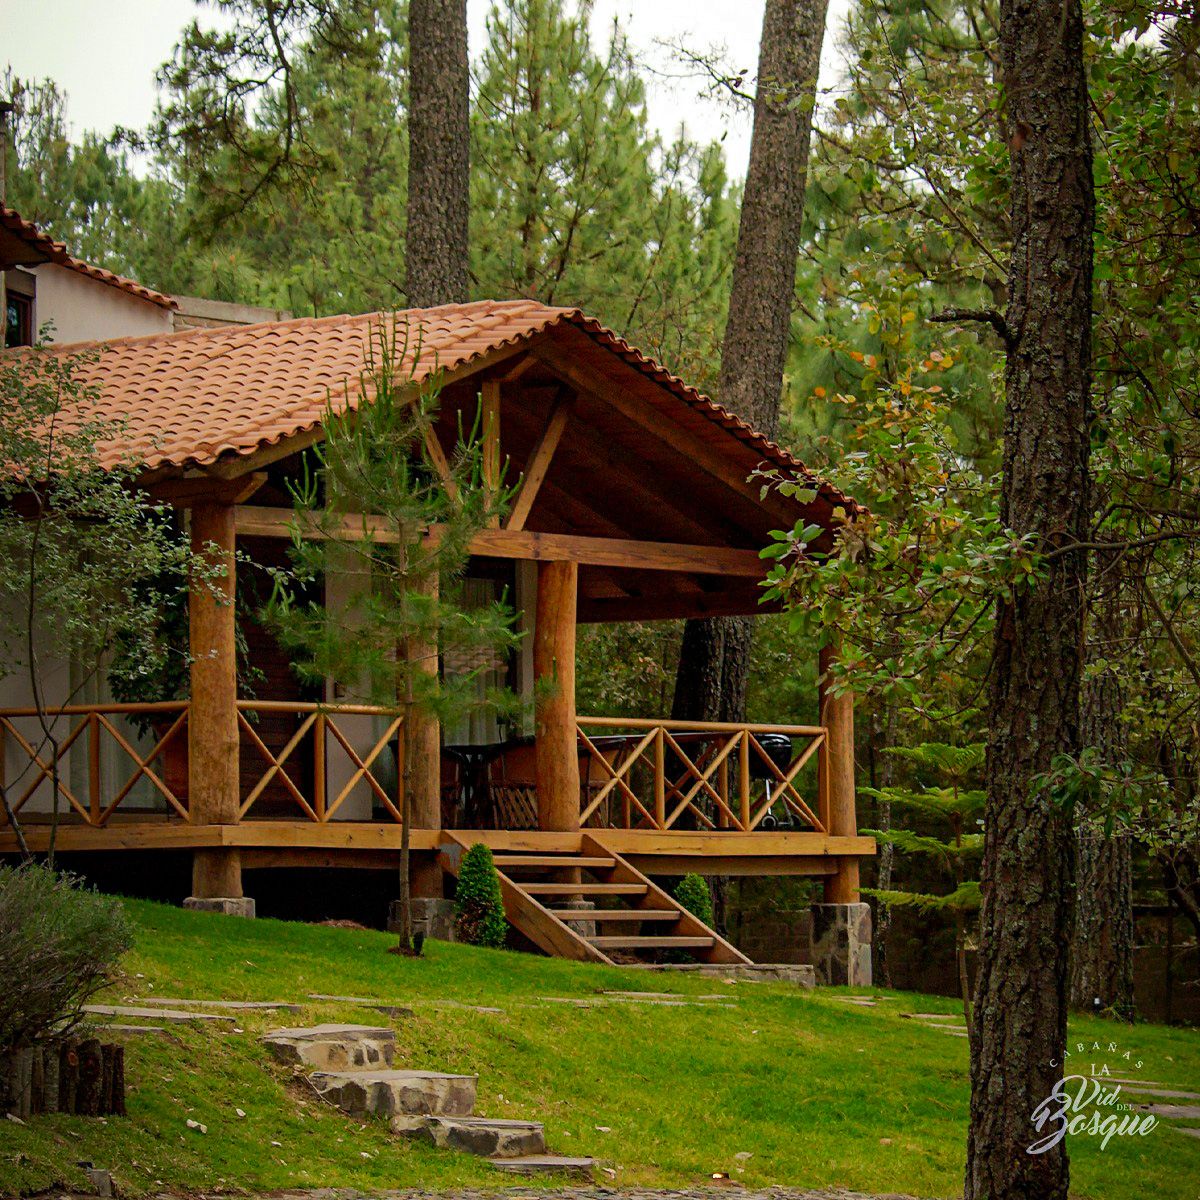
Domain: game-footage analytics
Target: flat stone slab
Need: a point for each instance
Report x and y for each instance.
(931, 1016)
(174, 1016)
(538, 1164)
(137, 1030)
(397, 1093)
(234, 1005)
(1187, 1130)
(333, 1047)
(476, 1135)
(387, 1007)
(1187, 1112)
(801, 974)
(665, 996)
(321, 1033)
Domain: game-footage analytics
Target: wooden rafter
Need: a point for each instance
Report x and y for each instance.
(539, 461)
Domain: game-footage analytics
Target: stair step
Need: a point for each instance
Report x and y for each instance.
(332, 1047)
(397, 1093)
(615, 914)
(489, 1138)
(553, 860)
(665, 942)
(537, 1164)
(584, 889)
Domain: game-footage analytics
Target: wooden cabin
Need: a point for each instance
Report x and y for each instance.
(634, 504)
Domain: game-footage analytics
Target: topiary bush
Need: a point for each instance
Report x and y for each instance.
(693, 893)
(478, 905)
(60, 943)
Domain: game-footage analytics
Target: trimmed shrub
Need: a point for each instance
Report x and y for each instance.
(478, 905)
(692, 892)
(60, 943)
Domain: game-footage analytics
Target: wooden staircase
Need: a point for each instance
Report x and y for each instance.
(631, 915)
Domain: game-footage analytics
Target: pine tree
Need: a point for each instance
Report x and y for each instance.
(955, 804)
(400, 572)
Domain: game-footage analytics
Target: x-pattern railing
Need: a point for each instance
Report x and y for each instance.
(40, 758)
(647, 774)
(319, 723)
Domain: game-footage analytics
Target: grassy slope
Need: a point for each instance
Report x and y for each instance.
(806, 1085)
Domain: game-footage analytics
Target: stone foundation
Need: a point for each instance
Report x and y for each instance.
(841, 944)
(585, 929)
(230, 906)
(430, 917)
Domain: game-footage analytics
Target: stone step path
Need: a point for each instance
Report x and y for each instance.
(333, 1047)
(541, 1164)
(354, 1072)
(232, 1005)
(392, 1093)
(387, 1007)
(484, 1136)
(171, 1015)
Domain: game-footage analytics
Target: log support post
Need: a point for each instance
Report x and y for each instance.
(841, 926)
(423, 759)
(213, 768)
(557, 740)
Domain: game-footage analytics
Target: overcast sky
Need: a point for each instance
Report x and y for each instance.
(104, 53)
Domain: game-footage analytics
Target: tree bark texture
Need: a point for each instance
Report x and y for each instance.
(715, 657)
(1102, 943)
(1020, 1016)
(439, 153)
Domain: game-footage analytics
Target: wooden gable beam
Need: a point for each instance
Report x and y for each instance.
(647, 417)
(536, 547)
(539, 461)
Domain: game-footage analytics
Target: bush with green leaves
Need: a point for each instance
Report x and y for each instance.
(478, 905)
(693, 893)
(60, 943)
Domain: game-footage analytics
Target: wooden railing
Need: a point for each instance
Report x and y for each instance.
(318, 724)
(705, 775)
(38, 758)
(29, 760)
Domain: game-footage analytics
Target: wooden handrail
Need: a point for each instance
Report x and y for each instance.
(83, 710)
(673, 726)
(692, 775)
(313, 706)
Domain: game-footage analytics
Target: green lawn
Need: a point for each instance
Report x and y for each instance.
(790, 1087)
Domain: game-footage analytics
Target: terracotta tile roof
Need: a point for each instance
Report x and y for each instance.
(43, 245)
(193, 397)
(118, 281)
(56, 252)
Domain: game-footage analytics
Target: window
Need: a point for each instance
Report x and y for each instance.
(18, 324)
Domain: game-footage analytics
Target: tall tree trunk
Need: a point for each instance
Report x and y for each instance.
(1102, 943)
(1020, 1017)
(438, 154)
(715, 658)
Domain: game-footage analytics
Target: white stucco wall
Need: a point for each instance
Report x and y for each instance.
(85, 310)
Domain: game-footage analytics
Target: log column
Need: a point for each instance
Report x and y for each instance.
(837, 715)
(841, 927)
(554, 660)
(423, 754)
(213, 769)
